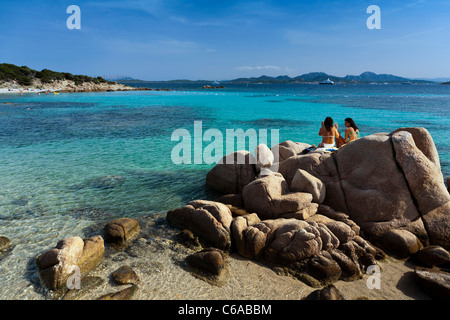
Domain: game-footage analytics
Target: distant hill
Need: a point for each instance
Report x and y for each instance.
(313, 77)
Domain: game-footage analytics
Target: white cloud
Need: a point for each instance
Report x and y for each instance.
(266, 68)
(248, 68)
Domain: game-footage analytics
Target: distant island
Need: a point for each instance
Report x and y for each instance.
(313, 77)
(17, 79)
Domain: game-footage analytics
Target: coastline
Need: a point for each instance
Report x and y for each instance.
(63, 86)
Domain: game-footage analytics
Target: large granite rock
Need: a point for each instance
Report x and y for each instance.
(208, 220)
(58, 264)
(232, 173)
(270, 198)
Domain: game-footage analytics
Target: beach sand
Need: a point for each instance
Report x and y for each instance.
(160, 264)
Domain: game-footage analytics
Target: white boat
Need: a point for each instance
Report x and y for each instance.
(328, 81)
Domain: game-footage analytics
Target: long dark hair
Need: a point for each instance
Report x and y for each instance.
(352, 124)
(328, 123)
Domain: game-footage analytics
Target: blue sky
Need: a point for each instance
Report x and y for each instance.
(216, 40)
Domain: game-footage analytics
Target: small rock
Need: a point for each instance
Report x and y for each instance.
(121, 231)
(328, 293)
(125, 294)
(5, 243)
(434, 283)
(210, 260)
(401, 243)
(187, 238)
(433, 256)
(125, 275)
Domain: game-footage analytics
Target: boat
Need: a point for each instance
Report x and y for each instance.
(328, 81)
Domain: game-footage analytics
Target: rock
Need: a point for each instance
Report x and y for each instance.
(232, 173)
(330, 292)
(209, 220)
(421, 167)
(434, 283)
(187, 238)
(324, 268)
(56, 265)
(121, 231)
(433, 256)
(125, 275)
(232, 199)
(271, 198)
(281, 241)
(341, 230)
(125, 294)
(210, 260)
(305, 182)
(387, 204)
(5, 243)
(448, 184)
(350, 269)
(93, 253)
(438, 222)
(288, 149)
(401, 243)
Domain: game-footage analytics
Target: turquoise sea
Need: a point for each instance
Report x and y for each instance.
(71, 162)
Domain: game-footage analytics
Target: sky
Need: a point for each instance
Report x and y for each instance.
(222, 40)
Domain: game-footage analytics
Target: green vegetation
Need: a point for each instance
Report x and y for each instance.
(25, 76)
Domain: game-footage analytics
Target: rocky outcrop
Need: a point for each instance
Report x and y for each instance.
(314, 218)
(304, 248)
(384, 182)
(71, 255)
(208, 220)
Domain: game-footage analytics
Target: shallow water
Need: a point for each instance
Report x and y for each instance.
(74, 161)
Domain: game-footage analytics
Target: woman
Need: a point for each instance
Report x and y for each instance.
(329, 134)
(352, 131)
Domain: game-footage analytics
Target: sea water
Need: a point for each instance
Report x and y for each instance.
(71, 162)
